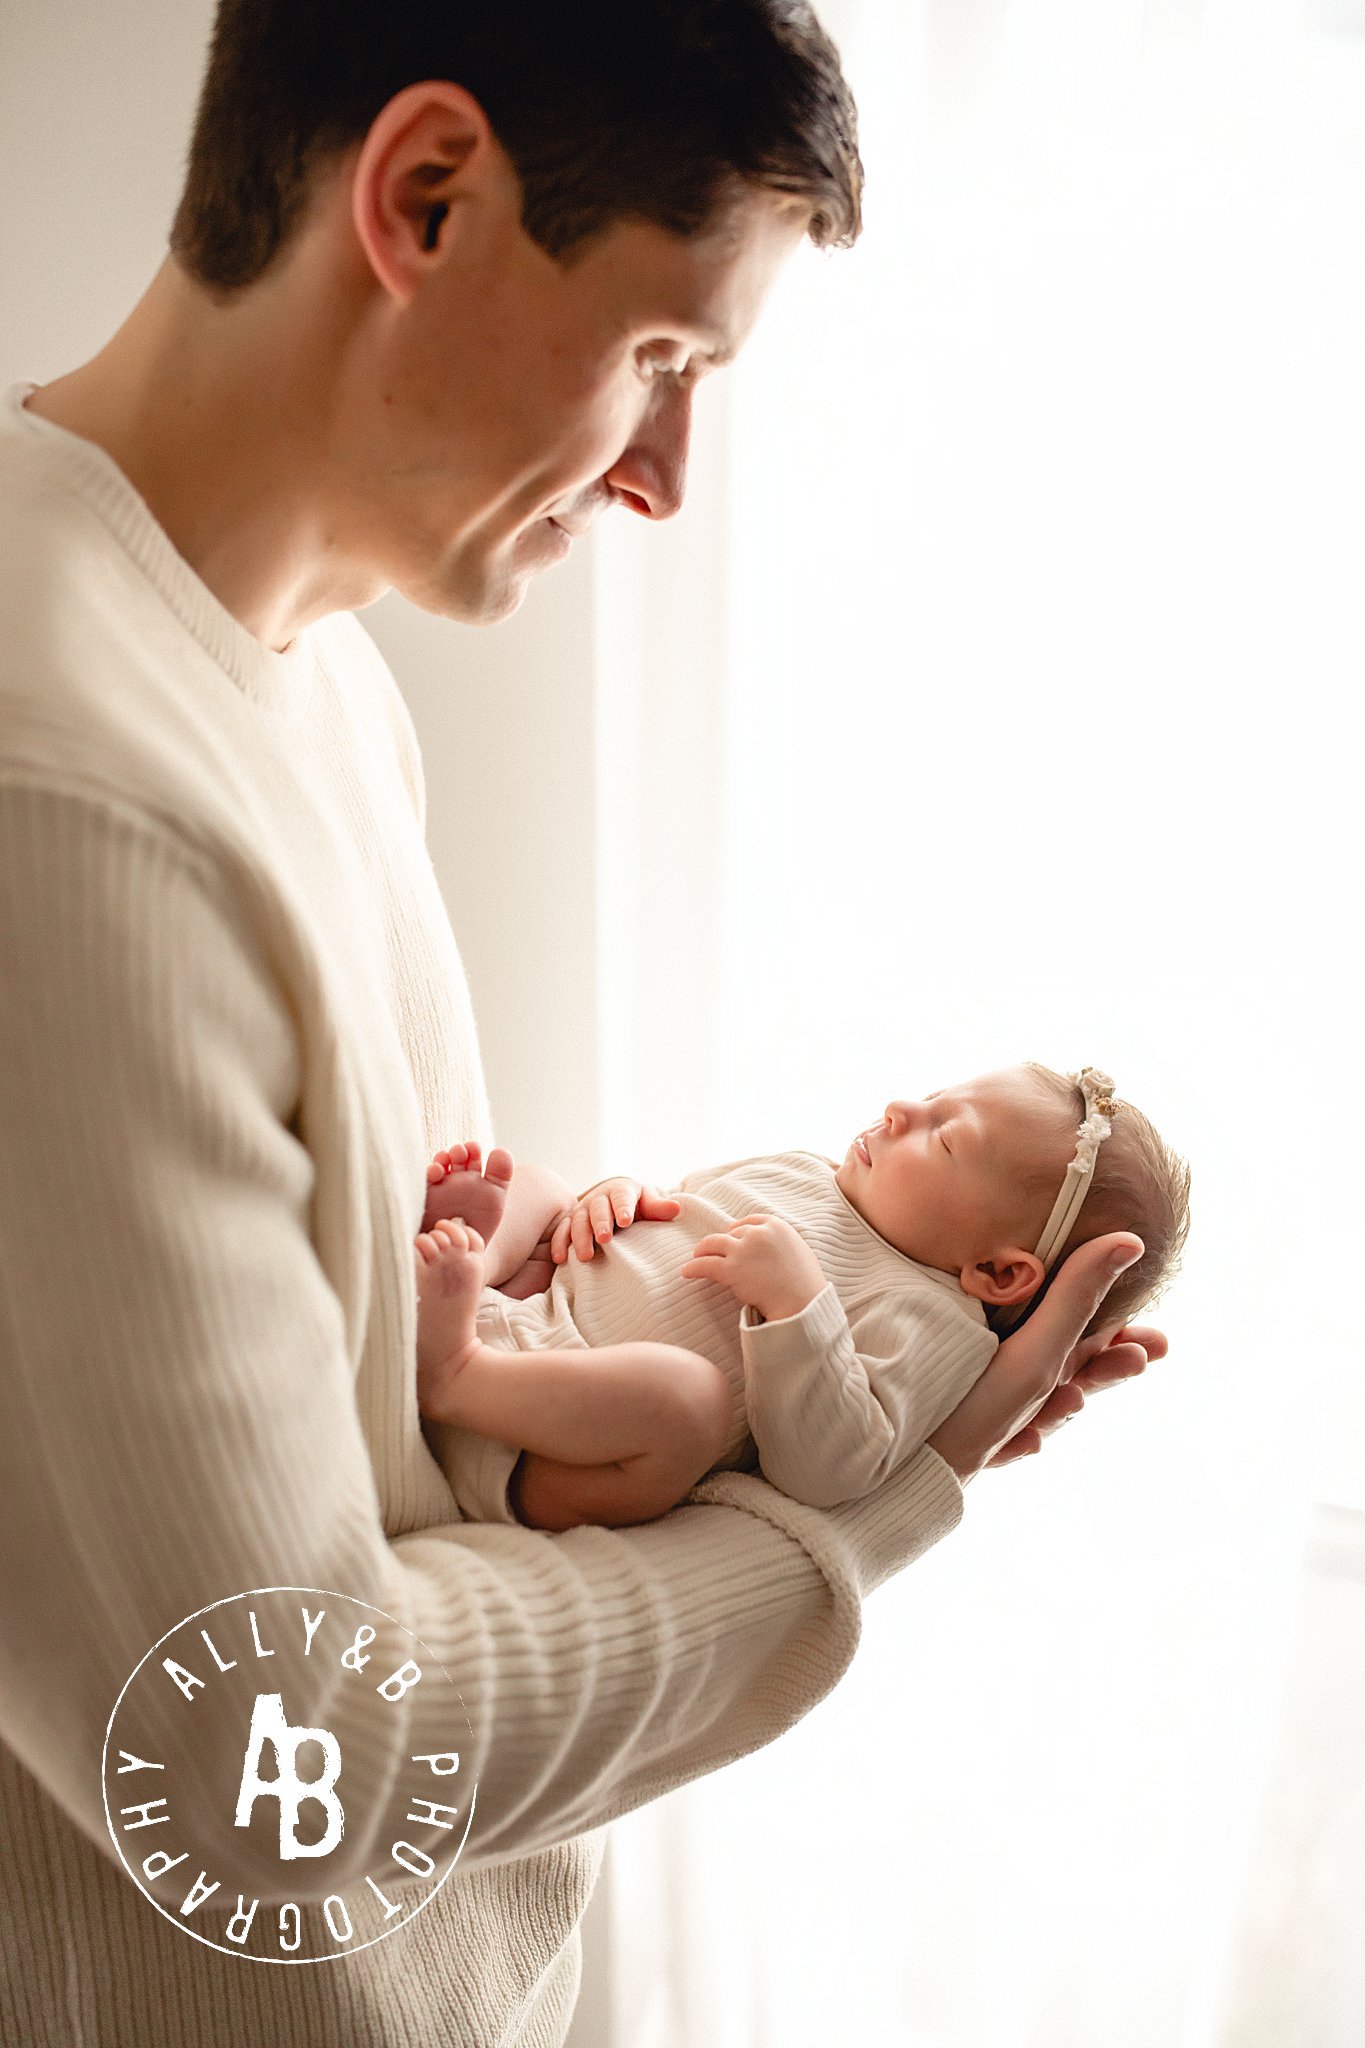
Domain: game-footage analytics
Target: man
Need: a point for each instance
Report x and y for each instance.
(441, 283)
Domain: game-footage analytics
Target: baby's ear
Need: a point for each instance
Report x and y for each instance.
(1013, 1275)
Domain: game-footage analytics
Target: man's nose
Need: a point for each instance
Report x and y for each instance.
(650, 476)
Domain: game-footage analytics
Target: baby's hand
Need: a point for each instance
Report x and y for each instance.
(609, 1206)
(766, 1264)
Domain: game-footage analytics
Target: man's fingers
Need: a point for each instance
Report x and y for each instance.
(1060, 1406)
(1026, 1444)
(1154, 1342)
(1081, 1283)
(1108, 1367)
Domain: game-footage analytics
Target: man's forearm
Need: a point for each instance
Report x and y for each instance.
(597, 1669)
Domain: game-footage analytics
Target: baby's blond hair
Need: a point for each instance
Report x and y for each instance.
(1139, 1184)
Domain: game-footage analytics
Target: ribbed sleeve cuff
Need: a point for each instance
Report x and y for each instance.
(906, 1515)
(861, 1544)
(792, 1339)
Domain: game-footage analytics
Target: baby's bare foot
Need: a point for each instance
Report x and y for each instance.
(450, 1270)
(460, 1184)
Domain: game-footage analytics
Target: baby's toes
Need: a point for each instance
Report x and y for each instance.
(459, 1235)
(499, 1167)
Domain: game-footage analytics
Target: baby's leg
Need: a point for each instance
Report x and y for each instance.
(613, 1435)
(547, 1493)
(513, 1211)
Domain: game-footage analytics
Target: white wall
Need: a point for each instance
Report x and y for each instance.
(505, 717)
(96, 104)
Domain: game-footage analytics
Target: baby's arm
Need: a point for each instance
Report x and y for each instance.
(833, 1413)
(833, 1417)
(514, 1210)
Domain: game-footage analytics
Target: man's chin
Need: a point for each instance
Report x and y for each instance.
(483, 601)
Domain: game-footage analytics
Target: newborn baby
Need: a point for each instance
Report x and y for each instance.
(813, 1320)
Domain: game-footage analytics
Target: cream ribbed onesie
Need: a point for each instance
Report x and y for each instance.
(233, 1029)
(828, 1402)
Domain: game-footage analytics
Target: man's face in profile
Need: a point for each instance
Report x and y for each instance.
(518, 395)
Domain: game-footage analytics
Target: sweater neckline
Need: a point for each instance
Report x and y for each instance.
(281, 683)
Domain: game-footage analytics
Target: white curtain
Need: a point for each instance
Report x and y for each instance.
(996, 699)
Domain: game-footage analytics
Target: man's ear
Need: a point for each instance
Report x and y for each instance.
(1012, 1275)
(428, 153)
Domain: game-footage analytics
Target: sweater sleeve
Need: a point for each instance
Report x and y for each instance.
(831, 1418)
(179, 1420)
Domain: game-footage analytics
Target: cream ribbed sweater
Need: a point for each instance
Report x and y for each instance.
(829, 1402)
(233, 1027)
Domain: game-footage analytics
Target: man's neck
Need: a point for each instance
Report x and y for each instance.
(223, 441)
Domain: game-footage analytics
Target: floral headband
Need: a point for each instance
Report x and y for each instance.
(1098, 1090)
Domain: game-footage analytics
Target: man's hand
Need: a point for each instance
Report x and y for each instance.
(608, 1206)
(1039, 1377)
(765, 1263)
(1096, 1363)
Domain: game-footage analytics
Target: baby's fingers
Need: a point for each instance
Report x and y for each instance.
(709, 1264)
(718, 1246)
(559, 1239)
(580, 1231)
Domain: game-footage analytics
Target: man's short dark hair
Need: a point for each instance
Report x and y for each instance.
(608, 109)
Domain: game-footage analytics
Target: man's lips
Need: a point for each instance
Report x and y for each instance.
(575, 528)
